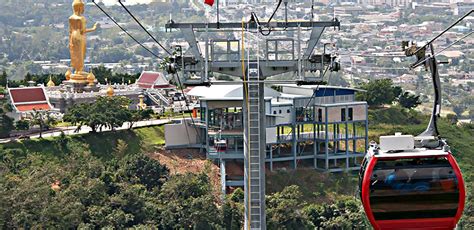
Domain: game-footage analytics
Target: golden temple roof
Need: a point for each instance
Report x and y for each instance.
(110, 91)
(50, 82)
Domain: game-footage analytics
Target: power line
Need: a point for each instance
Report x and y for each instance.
(125, 31)
(136, 20)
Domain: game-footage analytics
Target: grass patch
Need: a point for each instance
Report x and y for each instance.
(101, 145)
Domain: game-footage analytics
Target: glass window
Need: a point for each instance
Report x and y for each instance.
(351, 114)
(279, 111)
(275, 112)
(343, 114)
(299, 114)
(413, 188)
(320, 115)
(288, 111)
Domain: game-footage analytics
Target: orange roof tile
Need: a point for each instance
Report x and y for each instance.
(31, 107)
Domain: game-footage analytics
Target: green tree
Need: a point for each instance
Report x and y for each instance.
(408, 100)
(42, 119)
(6, 125)
(120, 149)
(284, 209)
(379, 92)
(110, 112)
(346, 213)
(101, 73)
(3, 79)
(22, 125)
(187, 202)
(79, 116)
(452, 118)
(138, 168)
(139, 115)
(458, 110)
(233, 210)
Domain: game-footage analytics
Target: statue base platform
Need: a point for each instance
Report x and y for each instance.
(91, 88)
(79, 83)
(80, 77)
(80, 87)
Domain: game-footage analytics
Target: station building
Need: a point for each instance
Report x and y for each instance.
(323, 127)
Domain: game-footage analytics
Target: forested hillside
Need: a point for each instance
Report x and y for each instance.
(109, 180)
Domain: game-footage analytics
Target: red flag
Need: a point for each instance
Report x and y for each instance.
(209, 2)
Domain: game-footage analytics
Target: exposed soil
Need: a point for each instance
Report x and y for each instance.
(181, 161)
(234, 168)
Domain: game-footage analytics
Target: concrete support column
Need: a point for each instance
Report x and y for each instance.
(294, 145)
(347, 145)
(271, 158)
(223, 179)
(206, 120)
(334, 132)
(327, 141)
(315, 149)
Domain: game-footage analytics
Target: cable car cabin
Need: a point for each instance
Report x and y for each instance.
(220, 146)
(411, 188)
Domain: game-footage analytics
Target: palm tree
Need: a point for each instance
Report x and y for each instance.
(43, 119)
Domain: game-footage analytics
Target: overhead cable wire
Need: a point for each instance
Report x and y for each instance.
(140, 24)
(274, 12)
(447, 47)
(187, 106)
(444, 31)
(125, 31)
(254, 17)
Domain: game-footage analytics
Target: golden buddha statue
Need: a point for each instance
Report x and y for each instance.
(77, 41)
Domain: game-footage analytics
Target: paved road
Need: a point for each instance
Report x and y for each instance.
(71, 130)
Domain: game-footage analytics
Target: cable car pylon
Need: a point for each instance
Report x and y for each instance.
(253, 70)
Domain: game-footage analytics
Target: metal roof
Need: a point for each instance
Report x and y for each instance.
(319, 87)
(225, 92)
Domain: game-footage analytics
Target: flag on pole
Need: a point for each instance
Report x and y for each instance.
(209, 2)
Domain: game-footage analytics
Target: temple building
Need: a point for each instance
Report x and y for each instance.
(26, 100)
(63, 97)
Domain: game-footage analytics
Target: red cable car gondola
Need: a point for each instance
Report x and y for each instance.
(413, 182)
(414, 189)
